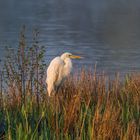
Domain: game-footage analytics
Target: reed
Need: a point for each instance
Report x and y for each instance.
(87, 106)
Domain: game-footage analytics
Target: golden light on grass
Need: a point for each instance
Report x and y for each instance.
(88, 106)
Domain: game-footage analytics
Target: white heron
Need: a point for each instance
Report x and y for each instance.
(60, 67)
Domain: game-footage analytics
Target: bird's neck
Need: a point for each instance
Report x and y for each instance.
(68, 66)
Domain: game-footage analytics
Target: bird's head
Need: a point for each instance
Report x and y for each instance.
(69, 55)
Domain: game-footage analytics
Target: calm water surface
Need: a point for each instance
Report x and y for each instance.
(104, 32)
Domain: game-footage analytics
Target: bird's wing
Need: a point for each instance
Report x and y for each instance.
(54, 71)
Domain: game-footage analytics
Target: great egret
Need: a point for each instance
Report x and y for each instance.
(60, 67)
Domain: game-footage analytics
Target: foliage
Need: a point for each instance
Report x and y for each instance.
(88, 105)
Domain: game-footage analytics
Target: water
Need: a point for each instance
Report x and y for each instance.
(104, 32)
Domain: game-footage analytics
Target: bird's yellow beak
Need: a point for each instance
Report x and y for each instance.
(75, 57)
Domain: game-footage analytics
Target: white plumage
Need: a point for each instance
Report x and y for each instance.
(60, 67)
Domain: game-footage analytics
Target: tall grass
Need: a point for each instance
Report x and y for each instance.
(88, 105)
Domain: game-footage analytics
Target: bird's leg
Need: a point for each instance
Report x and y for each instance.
(56, 90)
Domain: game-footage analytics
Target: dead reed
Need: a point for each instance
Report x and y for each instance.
(88, 105)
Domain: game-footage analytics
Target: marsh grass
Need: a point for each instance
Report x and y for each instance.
(87, 106)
